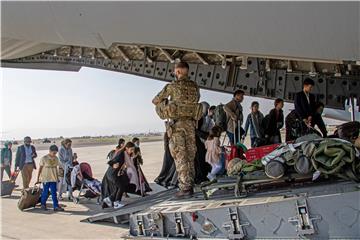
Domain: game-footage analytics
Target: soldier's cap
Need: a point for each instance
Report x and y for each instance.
(182, 65)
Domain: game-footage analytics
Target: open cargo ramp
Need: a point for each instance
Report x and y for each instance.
(122, 215)
(321, 211)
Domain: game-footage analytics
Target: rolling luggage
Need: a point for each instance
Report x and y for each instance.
(29, 197)
(235, 150)
(8, 186)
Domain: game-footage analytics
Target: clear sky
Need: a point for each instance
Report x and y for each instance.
(91, 102)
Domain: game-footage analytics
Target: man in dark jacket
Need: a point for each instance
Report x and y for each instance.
(295, 127)
(305, 102)
(24, 161)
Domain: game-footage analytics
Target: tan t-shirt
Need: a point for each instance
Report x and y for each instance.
(49, 172)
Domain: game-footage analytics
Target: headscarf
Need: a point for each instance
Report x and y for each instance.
(205, 108)
(65, 141)
(7, 143)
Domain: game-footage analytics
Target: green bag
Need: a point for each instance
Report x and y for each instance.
(336, 158)
(239, 166)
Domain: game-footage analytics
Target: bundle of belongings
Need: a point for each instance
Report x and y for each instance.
(317, 156)
(337, 156)
(241, 167)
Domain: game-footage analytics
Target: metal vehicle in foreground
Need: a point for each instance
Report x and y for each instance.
(288, 208)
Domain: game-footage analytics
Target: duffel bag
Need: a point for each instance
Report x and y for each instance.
(29, 197)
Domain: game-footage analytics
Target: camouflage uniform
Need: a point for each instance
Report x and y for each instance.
(181, 131)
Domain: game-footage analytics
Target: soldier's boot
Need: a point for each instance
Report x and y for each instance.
(184, 194)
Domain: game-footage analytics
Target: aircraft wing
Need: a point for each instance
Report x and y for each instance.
(302, 30)
(264, 48)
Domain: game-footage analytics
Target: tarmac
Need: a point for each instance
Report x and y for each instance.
(38, 224)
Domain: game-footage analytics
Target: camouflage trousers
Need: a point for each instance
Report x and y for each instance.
(183, 149)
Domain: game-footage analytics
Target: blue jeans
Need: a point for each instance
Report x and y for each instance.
(45, 194)
(215, 169)
(231, 135)
(252, 141)
(222, 161)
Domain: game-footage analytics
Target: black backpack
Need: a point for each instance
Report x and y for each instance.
(265, 124)
(220, 117)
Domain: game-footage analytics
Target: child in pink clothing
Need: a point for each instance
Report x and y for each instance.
(213, 152)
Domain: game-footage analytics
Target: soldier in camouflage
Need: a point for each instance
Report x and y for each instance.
(184, 94)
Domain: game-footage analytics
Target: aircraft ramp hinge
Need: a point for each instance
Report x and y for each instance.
(140, 225)
(233, 226)
(150, 225)
(155, 223)
(304, 223)
(179, 225)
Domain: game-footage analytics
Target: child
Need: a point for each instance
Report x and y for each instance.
(253, 121)
(213, 151)
(48, 175)
(273, 122)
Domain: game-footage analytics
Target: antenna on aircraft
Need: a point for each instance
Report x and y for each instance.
(351, 103)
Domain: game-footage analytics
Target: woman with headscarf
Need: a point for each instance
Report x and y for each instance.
(6, 159)
(120, 177)
(137, 162)
(201, 166)
(66, 162)
(112, 153)
(168, 176)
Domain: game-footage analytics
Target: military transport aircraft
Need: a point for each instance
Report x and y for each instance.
(266, 49)
(263, 48)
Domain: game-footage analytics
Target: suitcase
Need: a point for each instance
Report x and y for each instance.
(7, 187)
(29, 197)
